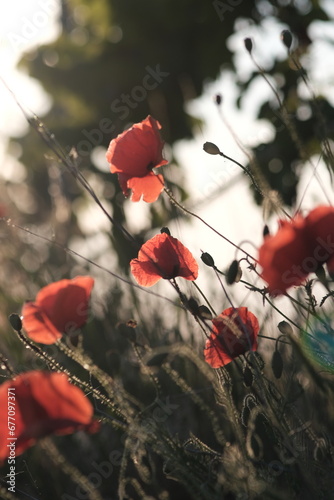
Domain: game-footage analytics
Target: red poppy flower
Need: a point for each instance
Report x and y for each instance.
(59, 308)
(234, 332)
(299, 247)
(133, 155)
(280, 256)
(163, 257)
(41, 403)
(320, 223)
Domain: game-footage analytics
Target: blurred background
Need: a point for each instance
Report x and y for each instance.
(79, 65)
(90, 69)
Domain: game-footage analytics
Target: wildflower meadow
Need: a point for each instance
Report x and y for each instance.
(137, 361)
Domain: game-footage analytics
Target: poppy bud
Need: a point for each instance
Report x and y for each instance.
(285, 328)
(204, 312)
(192, 306)
(248, 44)
(218, 99)
(266, 231)
(286, 38)
(321, 275)
(248, 376)
(256, 446)
(207, 259)
(16, 322)
(211, 148)
(277, 364)
(165, 230)
(234, 273)
(183, 298)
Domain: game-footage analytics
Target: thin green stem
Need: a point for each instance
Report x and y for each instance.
(181, 207)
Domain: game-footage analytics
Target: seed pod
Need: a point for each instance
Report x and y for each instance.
(234, 273)
(165, 230)
(204, 312)
(248, 376)
(207, 259)
(192, 306)
(266, 231)
(285, 328)
(16, 322)
(321, 275)
(218, 99)
(211, 148)
(256, 445)
(286, 38)
(277, 364)
(248, 44)
(245, 414)
(183, 298)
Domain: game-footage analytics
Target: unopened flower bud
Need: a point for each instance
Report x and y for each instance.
(211, 148)
(204, 312)
(207, 259)
(285, 328)
(192, 306)
(165, 230)
(266, 231)
(16, 322)
(234, 273)
(321, 275)
(248, 44)
(218, 99)
(248, 376)
(286, 38)
(277, 364)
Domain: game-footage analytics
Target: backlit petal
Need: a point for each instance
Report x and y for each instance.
(147, 188)
(234, 332)
(163, 257)
(45, 403)
(62, 307)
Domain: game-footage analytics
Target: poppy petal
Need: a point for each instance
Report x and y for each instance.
(279, 257)
(123, 182)
(45, 403)
(61, 306)
(234, 332)
(38, 326)
(133, 155)
(136, 149)
(297, 249)
(319, 225)
(148, 187)
(144, 272)
(163, 257)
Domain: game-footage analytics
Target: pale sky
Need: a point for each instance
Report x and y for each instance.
(23, 26)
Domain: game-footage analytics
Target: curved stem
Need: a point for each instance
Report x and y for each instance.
(173, 200)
